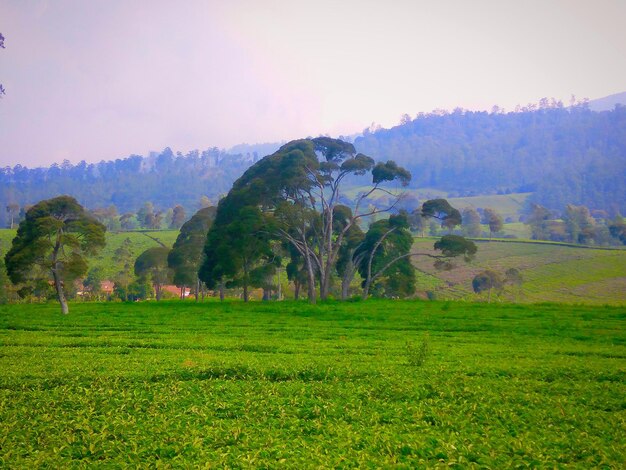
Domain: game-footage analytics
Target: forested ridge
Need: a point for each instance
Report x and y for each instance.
(563, 155)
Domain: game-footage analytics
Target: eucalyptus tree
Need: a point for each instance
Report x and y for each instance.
(493, 220)
(54, 240)
(152, 264)
(186, 255)
(296, 192)
(313, 194)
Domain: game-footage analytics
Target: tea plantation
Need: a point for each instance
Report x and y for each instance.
(288, 385)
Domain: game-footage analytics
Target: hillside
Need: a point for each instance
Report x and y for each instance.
(551, 272)
(562, 155)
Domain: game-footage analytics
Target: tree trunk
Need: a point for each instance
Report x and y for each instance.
(245, 291)
(221, 290)
(296, 290)
(197, 288)
(489, 296)
(366, 288)
(311, 279)
(345, 288)
(60, 294)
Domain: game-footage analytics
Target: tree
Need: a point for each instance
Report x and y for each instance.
(13, 209)
(237, 244)
(417, 223)
(186, 255)
(93, 283)
(486, 281)
(54, 239)
(471, 222)
(579, 225)
(310, 194)
(153, 263)
(385, 252)
(618, 229)
(514, 277)
(4, 282)
(123, 256)
(494, 220)
(538, 221)
(297, 188)
(442, 210)
(178, 217)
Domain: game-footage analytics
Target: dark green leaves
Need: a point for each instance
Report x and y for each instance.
(390, 171)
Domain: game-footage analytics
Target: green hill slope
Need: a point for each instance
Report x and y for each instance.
(552, 272)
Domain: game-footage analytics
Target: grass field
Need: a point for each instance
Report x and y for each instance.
(287, 385)
(552, 272)
(507, 205)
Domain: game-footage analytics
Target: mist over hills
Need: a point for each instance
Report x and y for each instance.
(563, 155)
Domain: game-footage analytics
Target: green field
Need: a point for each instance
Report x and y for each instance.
(507, 205)
(552, 272)
(287, 385)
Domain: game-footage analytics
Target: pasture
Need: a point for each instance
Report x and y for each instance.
(289, 385)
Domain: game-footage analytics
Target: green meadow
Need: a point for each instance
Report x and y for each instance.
(406, 384)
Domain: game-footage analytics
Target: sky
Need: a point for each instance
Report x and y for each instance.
(99, 80)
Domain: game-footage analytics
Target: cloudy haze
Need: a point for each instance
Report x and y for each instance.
(106, 79)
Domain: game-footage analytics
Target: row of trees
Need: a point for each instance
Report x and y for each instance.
(577, 224)
(286, 205)
(564, 155)
(289, 204)
(147, 217)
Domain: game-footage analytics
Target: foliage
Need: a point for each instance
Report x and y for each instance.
(442, 210)
(384, 257)
(289, 385)
(471, 222)
(487, 281)
(493, 220)
(53, 241)
(291, 196)
(186, 255)
(152, 264)
(565, 155)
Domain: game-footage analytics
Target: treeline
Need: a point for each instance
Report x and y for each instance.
(563, 155)
(127, 183)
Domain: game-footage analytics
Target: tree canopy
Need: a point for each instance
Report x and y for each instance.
(53, 241)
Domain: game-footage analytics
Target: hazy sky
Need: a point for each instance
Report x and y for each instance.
(100, 80)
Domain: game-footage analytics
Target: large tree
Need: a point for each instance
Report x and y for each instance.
(186, 255)
(493, 220)
(54, 240)
(152, 264)
(297, 188)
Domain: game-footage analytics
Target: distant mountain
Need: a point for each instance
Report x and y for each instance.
(562, 155)
(608, 102)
